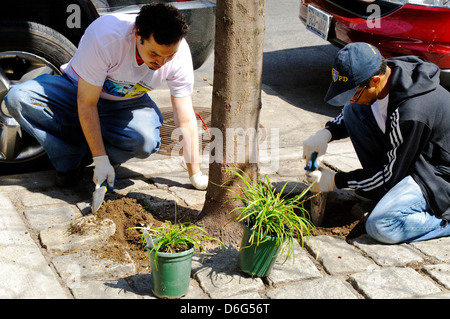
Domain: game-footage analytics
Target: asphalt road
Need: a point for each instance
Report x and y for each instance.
(296, 63)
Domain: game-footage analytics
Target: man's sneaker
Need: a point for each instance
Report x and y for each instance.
(363, 209)
(71, 178)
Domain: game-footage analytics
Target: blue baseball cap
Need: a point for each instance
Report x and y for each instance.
(353, 64)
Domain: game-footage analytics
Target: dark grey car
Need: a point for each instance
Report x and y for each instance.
(38, 36)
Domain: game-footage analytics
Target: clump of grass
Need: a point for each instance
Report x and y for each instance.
(174, 237)
(271, 213)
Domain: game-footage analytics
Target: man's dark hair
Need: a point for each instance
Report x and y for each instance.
(381, 70)
(166, 23)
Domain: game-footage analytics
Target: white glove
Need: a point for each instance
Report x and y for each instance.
(323, 180)
(317, 143)
(199, 181)
(103, 170)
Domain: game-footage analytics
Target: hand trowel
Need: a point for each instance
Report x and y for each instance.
(99, 195)
(319, 200)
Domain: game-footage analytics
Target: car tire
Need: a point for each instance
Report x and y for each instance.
(27, 44)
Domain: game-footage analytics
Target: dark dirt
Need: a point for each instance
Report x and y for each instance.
(130, 212)
(338, 221)
(127, 213)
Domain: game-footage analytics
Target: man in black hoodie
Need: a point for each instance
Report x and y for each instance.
(397, 117)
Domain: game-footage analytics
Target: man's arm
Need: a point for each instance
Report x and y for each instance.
(88, 96)
(184, 117)
(87, 99)
(185, 120)
(337, 127)
(405, 147)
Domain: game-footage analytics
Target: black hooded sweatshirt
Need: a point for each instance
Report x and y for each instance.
(417, 137)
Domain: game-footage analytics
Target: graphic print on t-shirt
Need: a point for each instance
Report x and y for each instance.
(124, 89)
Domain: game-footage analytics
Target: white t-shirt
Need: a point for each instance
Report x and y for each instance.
(379, 110)
(106, 56)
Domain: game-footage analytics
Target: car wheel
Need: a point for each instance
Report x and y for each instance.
(27, 50)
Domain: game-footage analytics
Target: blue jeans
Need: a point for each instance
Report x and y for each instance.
(46, 108)
(402, 214)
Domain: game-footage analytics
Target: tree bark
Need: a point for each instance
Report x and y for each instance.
(236, 104)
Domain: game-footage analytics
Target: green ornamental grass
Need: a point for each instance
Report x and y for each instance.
(173, 238)
(271, 213)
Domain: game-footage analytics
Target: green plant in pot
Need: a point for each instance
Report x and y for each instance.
(272, 221)
(171, 248)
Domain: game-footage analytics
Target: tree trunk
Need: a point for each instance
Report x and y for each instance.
(236, 103)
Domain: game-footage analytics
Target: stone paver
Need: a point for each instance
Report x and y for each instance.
(322, 288)
(438, 248)
(155, 198)
(42, 218)
(24, 182)
(154, 167)
(387, 255)
(341, 156)
(249, 295)
(388, 283)
(84, 233)
(223, 284)
(24, 272)
(219, 276)
(37, 199)
(108, 289)
(440, 273)
(337, 256)
(299, 267)
(192, 197)
(90, 265)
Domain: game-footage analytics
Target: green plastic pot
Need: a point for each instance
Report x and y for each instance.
(171, 274)
(257, 260)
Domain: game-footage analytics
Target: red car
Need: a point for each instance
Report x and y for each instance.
(395, 27)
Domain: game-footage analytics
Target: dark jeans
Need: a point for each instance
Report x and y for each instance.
(46, 108)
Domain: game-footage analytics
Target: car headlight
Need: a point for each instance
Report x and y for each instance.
(429, 3)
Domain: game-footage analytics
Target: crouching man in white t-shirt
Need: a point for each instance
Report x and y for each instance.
(99, 108)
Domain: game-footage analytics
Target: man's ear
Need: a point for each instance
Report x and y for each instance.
(137, 36)
(375, 80)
